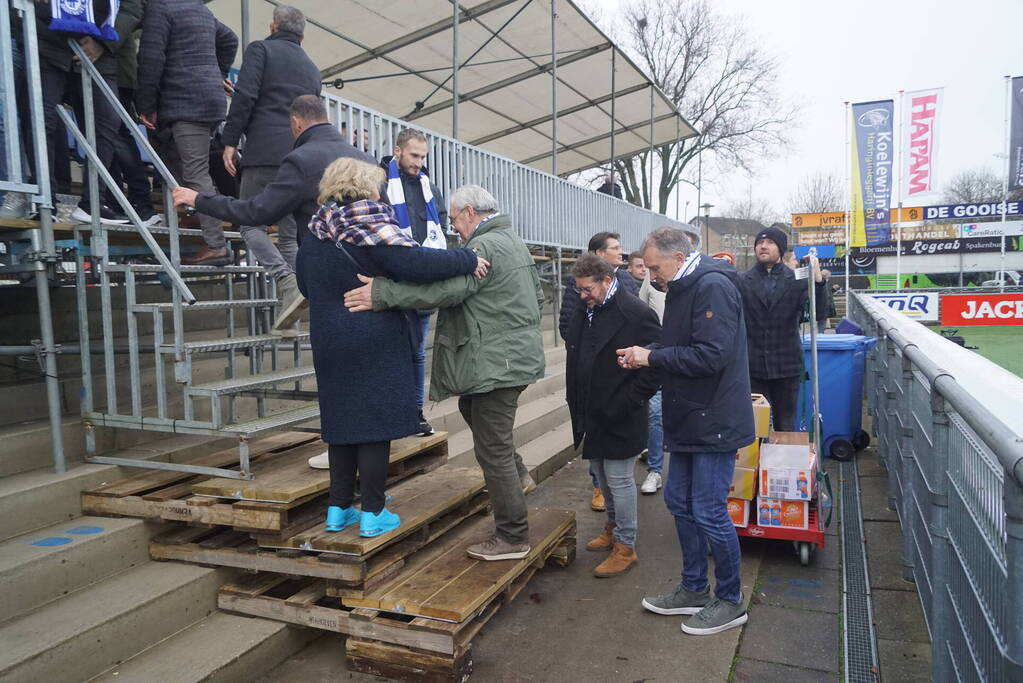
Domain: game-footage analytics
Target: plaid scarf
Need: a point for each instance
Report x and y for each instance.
(363, 223)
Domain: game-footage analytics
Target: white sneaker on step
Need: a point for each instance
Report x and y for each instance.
(320, 462)
(651, 483)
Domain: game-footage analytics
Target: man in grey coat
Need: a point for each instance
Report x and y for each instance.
(274, 72)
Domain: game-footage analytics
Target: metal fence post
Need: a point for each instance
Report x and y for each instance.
(1012, 497)
(905, 463)
(942, 617)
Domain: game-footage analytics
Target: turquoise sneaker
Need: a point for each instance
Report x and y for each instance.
(371, 525)
(340, 518)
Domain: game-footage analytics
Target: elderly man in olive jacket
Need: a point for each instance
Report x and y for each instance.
(487, 349)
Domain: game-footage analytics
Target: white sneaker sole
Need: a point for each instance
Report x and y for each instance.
(675, 611)
(648, 492)
(79, 216)
(320, 462)
(503, 556)
(738, 621)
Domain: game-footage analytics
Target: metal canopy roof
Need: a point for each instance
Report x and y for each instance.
(504, 83)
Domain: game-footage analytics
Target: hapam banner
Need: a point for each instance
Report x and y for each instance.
(920, 119)
(872, 157)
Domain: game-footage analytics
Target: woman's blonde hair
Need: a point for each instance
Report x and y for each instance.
(348, 179)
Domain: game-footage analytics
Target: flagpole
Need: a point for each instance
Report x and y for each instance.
(848, 198)
(1005, 182)
(898, 203)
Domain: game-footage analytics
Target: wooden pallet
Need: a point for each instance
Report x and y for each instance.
(289, 478)
(344, 574)
(169, 496)
(406, 646)
(417, 501)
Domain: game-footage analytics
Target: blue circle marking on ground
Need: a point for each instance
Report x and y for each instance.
(84, 530)
(52, 540)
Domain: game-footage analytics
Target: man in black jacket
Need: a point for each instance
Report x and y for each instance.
(184, 58)
(294, 189)
(607, 402)
(773, 302)
(608, 246)
(61, 82)
(707, 417)
(410, 150)
(274, 72)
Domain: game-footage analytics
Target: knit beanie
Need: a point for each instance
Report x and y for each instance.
(776, 236)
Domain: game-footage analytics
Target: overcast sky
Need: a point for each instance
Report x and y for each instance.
(832, 51)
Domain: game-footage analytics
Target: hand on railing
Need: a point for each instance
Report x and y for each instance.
(92, 48)
(184, 196)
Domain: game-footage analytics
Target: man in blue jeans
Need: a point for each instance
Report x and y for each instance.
(707, 417)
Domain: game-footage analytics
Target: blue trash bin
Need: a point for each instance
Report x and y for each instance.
(840, 362)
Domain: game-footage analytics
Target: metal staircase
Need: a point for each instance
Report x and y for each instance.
(206, 408)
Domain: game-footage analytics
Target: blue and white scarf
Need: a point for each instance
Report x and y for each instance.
(395, 192)
(688, 266)
(607, 297)
(76, 16)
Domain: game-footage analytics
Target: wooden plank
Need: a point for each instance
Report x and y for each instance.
(288, 478)
(211, 513)
(149, 480)
(417, 501)
(443, 582)
(399, 663)
(251, 586)
(309, 595)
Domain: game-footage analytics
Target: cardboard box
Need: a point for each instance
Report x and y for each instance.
(783, 514)
(790, 438)
(738, 510)
(787, 471)
(744, 484)
(761, 415)
(749, 456)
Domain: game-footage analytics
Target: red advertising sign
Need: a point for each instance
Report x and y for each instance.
(981, 309)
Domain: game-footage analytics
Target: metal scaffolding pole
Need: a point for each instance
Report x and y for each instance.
(246, 24)
(613, 54)
(554, 87)
(651, 140)
(454, 95)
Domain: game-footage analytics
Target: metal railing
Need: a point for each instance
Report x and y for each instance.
(546, 210)
(955, 477)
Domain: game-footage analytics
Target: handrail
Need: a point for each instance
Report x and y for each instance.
(169, 183)
(1004, 442)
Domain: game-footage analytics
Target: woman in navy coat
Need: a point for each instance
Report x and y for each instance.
(363, 361)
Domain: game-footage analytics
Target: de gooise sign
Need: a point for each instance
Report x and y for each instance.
(981, 309)
(934, 213)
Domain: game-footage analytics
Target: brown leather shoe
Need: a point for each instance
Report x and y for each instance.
(618, 562)
(597, 501)
(208, 257)
(603, 542)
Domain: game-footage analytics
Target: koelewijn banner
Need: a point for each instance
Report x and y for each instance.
(1016, 136)
(873, 149)
(920, 119)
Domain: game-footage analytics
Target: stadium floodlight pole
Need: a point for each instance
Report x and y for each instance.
(898, 189)
(848, 199)
(1005, 182)
(614, 52)
(554, 87)
(678, 133)
(651, 183)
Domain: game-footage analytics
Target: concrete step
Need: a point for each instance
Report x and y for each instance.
(91, 630)
(221, 647)
(532, 420)
(45, 565)
(549, 452)
(37, 499)
(444, 416)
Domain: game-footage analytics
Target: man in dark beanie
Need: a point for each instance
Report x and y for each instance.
(773, 304)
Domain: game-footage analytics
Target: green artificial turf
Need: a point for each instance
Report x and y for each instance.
(1002, 344)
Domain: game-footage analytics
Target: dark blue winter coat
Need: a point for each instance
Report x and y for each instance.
(363, 360)
(703, 363)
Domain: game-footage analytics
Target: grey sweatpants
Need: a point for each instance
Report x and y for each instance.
(185, 147)
(279, 259)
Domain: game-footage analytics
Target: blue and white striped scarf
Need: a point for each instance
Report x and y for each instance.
(76, 16)
(396, 193)
(688, 266)
(607, 297)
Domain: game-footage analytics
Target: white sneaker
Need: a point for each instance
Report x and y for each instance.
(651, 483)
(80, 215)
(320, 462)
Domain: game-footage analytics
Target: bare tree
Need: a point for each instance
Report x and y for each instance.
(973, 185)
(752, 208)
(819, 192)
(722, 82)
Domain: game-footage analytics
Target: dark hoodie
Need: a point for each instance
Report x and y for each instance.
(703, 363)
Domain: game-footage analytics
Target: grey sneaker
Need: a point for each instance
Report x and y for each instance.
(719, 615)
(496, 548)
(679, 601)
(292, 306)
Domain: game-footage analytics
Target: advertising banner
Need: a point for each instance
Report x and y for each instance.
(1016, 135)
(921, 306)
(958, 310)
(943, 246)
(920, 117)
(982, 210)
(821, 251)
(991, 229)
(873, 150)
(834, 219)
(821, 236)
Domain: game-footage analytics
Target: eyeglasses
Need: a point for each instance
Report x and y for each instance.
(451, 219)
